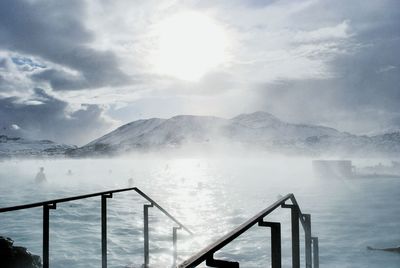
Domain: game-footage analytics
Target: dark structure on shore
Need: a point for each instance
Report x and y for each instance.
(16, 257)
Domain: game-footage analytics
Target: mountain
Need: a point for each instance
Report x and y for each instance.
(20, 147)
(259, 130)
(154, 133)
(262, 126)
(128, 132)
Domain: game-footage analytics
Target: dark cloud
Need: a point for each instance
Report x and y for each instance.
(46, 117)
(3, 63)
(53, 30)
(367, 79)
(363, 93)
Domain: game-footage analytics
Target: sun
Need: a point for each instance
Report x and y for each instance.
(189, 45)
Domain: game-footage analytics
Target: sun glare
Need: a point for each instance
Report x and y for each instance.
(189, 46)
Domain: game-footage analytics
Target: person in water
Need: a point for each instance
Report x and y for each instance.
(130, 182)
(40, 176)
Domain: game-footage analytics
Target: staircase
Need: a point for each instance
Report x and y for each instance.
(205, 255)
(287, 202)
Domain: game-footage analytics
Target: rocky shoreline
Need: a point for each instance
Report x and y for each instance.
(16, 257)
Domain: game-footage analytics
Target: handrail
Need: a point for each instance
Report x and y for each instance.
(78, 197)
(163, 210)
(294, 202)
(226, 239)
(52, 204)
(207, 254)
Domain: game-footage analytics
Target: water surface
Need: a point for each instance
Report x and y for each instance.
(211, 196)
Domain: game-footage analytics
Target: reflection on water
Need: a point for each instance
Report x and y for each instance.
(210, 196)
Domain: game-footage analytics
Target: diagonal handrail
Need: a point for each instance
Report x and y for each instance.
(52, 204)
(163, 210)
(207, 254)
(78, 197)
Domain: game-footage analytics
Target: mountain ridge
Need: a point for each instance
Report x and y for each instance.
(22, 147)
(259, 130)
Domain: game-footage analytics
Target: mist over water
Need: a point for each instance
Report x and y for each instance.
(214, 109)
(211, 196)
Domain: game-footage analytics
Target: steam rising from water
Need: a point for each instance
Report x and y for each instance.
(209, 195)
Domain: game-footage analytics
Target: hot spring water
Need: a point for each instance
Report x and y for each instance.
(211, 197)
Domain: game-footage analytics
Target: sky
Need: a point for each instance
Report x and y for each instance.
(72, 70)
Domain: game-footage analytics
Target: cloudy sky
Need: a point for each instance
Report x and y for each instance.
(71, 70)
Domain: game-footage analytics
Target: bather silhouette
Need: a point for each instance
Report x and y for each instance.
(40, 176)
(130, 182)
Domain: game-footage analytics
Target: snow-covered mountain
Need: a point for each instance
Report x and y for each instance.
(155, 133)
(19, 147)
(128, 133)
(259, 130)
(262, 126)
(256, 131)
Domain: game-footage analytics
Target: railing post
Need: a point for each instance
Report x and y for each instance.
(276, 257)
(315, 252)
(104, 229)
(46, 220)
(174, 245)
(146, 233)
(307, 233)
(295, 235)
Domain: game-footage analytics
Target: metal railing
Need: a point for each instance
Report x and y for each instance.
(311, 243)
(52, 204)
